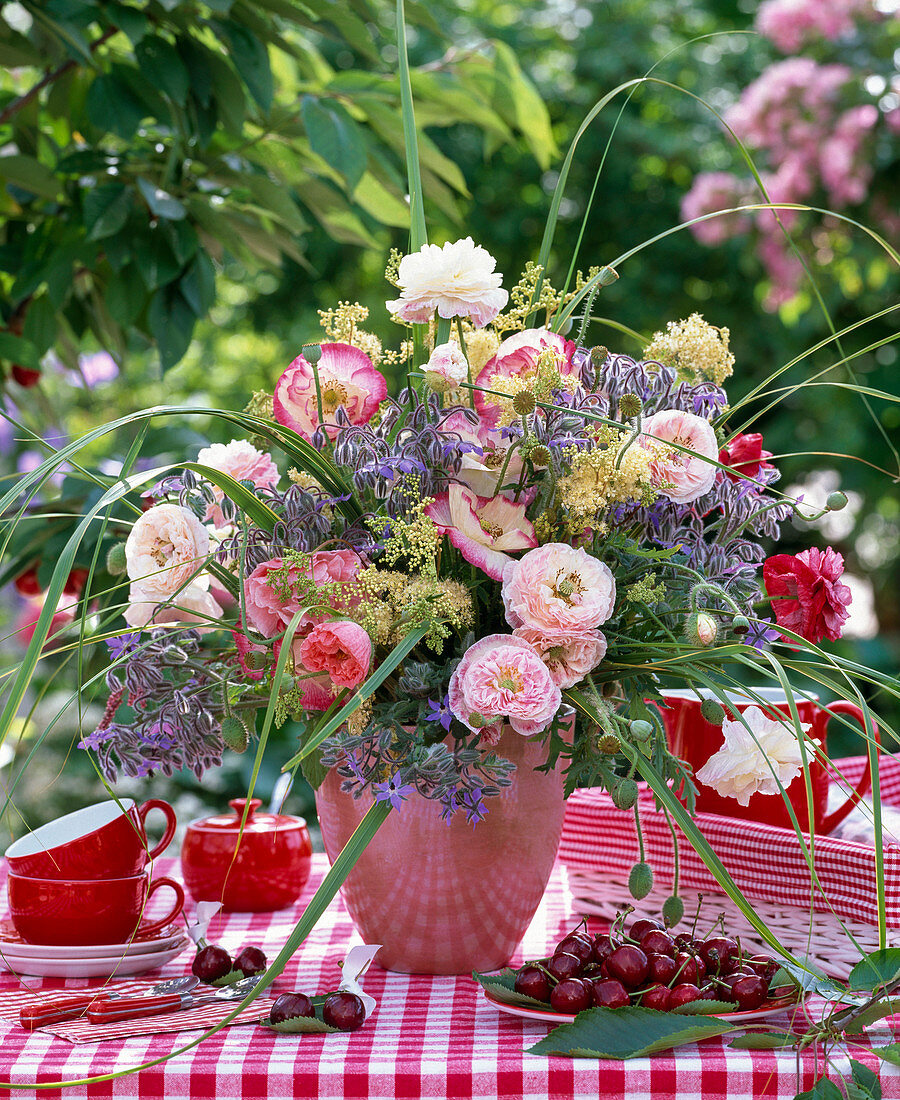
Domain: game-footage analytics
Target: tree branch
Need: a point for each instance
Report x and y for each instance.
(17, 104)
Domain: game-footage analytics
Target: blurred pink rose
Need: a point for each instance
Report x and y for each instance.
(347, 379)
(340, 648)
(502, 676)
(164, 548)
(559, 591)
(27, 619)
(243, 462)
(681, 476)
(569, 661)
(518, 356)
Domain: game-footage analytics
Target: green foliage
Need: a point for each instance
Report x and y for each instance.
(146, 144)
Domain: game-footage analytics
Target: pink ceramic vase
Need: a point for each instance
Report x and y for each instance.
(451, 898)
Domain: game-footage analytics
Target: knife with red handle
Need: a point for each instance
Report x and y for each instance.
(73, 1005)
(109, 1011)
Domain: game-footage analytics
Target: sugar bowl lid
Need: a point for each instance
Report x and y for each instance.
(255, 823)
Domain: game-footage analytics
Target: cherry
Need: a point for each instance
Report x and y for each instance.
(657, 996)
(642, 926)
(533, 982)
(750, 992)
(603, 947)
(718, 952)
(629, 965)
(688, 969)
(604, 969)
(659, 942)
(345, 1011)
(709, 992)
(684, 941)
(579, 946)
(25, 376)
(763, 965)
(610, 994)
(211, 962)
(290, 1005)
(250, 961)
(661, 968)
(563, 965)
(683, 995)
(570, 996)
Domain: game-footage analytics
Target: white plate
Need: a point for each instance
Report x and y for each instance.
(11, 944)
(548, 1016)
(92, 968)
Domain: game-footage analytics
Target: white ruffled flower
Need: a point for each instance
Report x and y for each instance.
(457, 280)
(166, 546)
(193, 604)
(745, 766)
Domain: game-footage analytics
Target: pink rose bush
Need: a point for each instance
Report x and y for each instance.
(348, 380)
(503, 677)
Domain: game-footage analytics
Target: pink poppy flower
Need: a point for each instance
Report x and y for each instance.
(502, 676)
(558, 591)
(485, 530)
(518, 356)
(243, 462)
(807, 596)
(681, 476)
(341, 649)
(347, 378)
(481, 471)
(745, 455)
(571, 660)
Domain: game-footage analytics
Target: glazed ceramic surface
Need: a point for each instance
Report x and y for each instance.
(142, 943)
(99, 967)
(90, 911)
(695, 740)
(261, 867)
(106, 840)
(449, 898)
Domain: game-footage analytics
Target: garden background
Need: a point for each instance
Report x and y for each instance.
(183, 185)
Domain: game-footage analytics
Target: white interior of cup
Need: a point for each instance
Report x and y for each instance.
(768, 694)
(63, 830)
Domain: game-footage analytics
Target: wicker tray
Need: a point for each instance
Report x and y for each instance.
(599, 846)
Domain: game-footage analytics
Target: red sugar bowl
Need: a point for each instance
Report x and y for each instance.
(261, 868)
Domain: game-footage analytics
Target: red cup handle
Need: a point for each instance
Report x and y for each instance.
(158, 804)
(156, 926)
(865, 782)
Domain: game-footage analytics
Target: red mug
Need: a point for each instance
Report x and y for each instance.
(695, 740)
(106, 840)
(75, 913)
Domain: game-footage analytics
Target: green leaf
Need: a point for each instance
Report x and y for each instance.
(161, 203)
(40, 324)
(228, 94)
(502, 986)
(30, 175)
(276, 198)
(106, 209)
(336, 138)
(703, 1008)
(764, 1040)
(198, 284)
(18, 350)
(890, 1053)
(627, 1033)
(16, 50)
(876, 969)
(313, 769)
(866, 1080)
(126, 295)
(875, 1012)
(251, 59)
(230, 978)
(181, 237)
(823, 1089)
(171, 322)
(155, 259)
(301, 1025)
(527, 107)
(376, 200)
(113, 107)
(131, 22)
(160, 64)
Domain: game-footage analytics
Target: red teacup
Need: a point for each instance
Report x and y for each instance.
(106, 840)
(695, 740)
(74, 913)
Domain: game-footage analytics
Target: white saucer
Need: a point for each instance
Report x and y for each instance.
(12, 945)
(100, 967)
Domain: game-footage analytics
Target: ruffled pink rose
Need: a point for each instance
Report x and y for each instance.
(518, 356)
(166, 546)
(559, 591)
(499, 677)
(340, 648)
(571, 660)
(272, 599)
(347, 378)
(485, 530)
(681, 476)
(242, 461)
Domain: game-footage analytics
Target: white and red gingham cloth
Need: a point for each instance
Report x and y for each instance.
(429, 1037)
(765, 861)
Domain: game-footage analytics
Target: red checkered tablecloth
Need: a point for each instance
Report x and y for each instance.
(429, 1037)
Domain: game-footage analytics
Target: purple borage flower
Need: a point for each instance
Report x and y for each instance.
(393, 792)
(440, 712)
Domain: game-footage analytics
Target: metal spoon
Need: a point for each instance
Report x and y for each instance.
(132, 1008)
(77, 1004)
